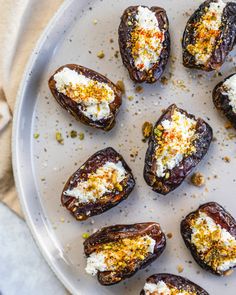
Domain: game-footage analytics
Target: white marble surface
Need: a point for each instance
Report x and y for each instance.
(22, 268)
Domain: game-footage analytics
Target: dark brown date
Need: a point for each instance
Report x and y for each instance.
(171, 281)
(103, 201)
(127, 43)
(77, 109)
(174, 177)
(197, 40)
(115, 234)
(216, 250)
(222, 101)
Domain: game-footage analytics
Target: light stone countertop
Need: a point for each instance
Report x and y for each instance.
(23, 270)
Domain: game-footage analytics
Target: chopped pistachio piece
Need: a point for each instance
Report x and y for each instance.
(36, 135)
(120, 84)
(85, 235)
(147, 129)
(198, 179)
(101, 54)
(73, 134)
(116, 54)
(139, 89)
(130, 97)
(81, 136)
(59, 137)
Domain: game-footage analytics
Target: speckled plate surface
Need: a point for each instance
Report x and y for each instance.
(42, 165)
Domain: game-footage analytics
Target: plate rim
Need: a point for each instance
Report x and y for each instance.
(15, 129)
(22, 91)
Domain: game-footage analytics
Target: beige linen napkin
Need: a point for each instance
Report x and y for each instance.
(21, 24)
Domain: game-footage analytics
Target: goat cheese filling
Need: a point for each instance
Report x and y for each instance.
(207, 30)
(146, 39)
(215, 245)
(230, 90)
(93, 97)
(104, 180)
(174, 141)
(161, 288)
(115, 256)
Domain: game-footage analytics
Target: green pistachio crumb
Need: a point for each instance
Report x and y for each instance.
(116, 54)
(85, 235)
(81, 136)
(36, 135)
(120, 84)
(59, 137)
(157, 132)
(73, 134)
(130, 97)
(147, 129)
(167, 175)
(101, 54)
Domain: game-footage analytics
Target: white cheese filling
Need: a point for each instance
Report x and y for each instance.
(152, 244)
(148, 43)
(91, 107)
(96, 262)
(161, 288)
(227, 265)
(230, 90)
(206, 226)
(217, 9)
(211, 23)
(179, 134)
(100, 262)
(157, 289)
(102, 181)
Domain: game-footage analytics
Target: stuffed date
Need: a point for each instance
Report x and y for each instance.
(87, 95)
(158, 284)
(209, 35)
(178, 143)
(101, 183)
(117, 252)
(224, 98)
(144, 42)
(210, 234)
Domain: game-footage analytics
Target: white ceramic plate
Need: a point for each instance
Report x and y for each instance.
(42, 165)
